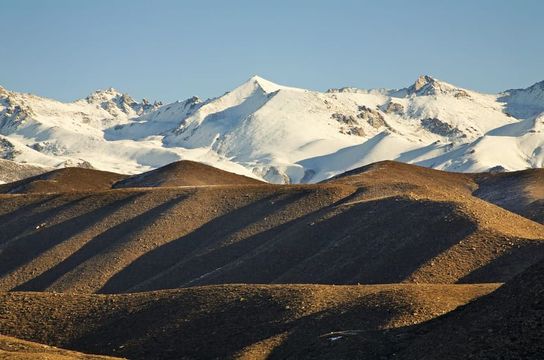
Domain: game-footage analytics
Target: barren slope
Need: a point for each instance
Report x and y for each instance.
(228, 321)
(509, 322)
(185, 173)
(347, 231)
(506, 324)
(520, 191)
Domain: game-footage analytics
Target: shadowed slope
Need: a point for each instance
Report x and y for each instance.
(509, 322)
(185, 173)
(506, 324)
(520, 191)
(347, 231)
(234, 321)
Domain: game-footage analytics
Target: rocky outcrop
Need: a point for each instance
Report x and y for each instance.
(426, 85)
(79, 163)
(438, 127)
(7, 150)
(393, 108)
(372, 117)
(350, 124)
(114, 102)
(12, 114)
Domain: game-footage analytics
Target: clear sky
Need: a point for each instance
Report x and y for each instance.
(169, 50)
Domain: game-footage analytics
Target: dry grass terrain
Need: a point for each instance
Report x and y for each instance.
(506, 324)
(165, 264)
(346, 231)
(226, 321)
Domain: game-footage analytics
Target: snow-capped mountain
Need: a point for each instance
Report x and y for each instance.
(279, 133)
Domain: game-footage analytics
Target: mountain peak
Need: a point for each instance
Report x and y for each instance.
(266, 85)
(258, 78)
(115, 101)
(426, 85)
(423, 80)
(100, 96)
(105, 92)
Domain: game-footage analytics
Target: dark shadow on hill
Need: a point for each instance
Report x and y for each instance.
(39, 239)
(223, 332)
(99, 244)
(507, 324)
(381, 241)
(512, 262)
(359, 244)
(510, 191)
(155, 267)
(30, 213)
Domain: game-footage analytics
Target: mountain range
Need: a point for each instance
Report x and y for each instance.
(280, 134)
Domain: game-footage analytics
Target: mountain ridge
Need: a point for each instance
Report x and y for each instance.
(282, 134)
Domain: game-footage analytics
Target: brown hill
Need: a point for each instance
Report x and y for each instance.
(185, 173)
(348, 231)
(506, 324)
(228, 321)
(520, 191)
(63, 180)
(15, 349)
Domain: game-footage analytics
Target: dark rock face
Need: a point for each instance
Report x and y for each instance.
(371, 116)
(428, 86)
(7, 150)
(497, 169)
(394, 108)
(344, 119)
(352, 125)
(437, 126)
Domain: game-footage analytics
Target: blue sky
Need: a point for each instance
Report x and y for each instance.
(171, 50)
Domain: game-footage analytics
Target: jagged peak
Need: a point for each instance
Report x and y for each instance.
(426, 85)
(111, 94)
(422, 81)
(103, 93)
